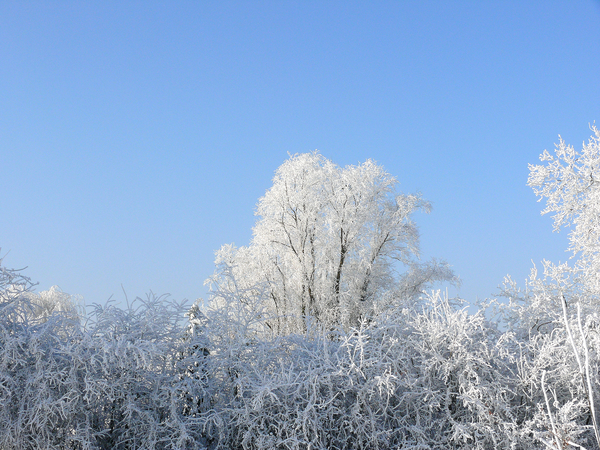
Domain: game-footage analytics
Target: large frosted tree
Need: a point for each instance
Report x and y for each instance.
(329, 246)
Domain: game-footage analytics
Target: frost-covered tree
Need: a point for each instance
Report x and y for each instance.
(570, 183)
(329, 245)
(559, 351)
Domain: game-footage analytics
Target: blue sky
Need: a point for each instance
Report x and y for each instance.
(137, 137)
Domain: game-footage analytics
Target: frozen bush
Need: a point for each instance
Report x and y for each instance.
(116, 379)
(431, 378)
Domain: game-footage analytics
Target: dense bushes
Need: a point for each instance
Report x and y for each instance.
(426, 376)
(431, 376)
(112, 379)
(427, 379)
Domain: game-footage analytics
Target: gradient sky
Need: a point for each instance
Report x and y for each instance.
(137, 137)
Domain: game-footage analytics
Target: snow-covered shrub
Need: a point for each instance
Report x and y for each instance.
(136, 376)
(114, 379)
(558, 378)
(459, 388)
(36, 405)
(434, 377)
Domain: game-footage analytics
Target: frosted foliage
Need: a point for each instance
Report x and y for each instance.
(115, 379)
(559, 353)
(422, 375)
(431, 377)
(328, 244)
(570, 183)
(53, 300)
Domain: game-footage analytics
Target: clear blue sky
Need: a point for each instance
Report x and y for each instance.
(137, 137)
